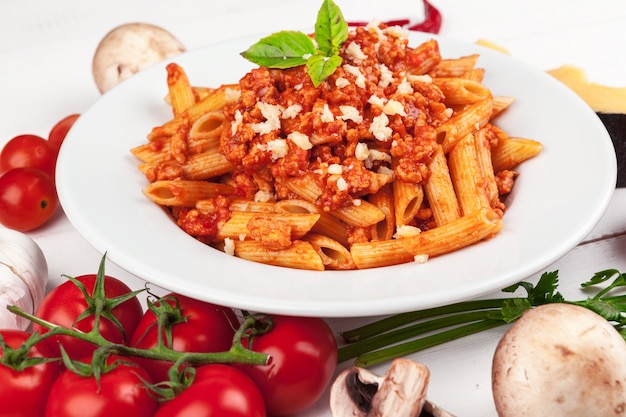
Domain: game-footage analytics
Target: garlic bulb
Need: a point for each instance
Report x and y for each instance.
(23, 277)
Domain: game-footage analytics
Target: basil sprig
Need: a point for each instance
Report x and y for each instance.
(289, 49)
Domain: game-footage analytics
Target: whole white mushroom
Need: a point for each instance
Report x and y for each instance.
(560, 360)
(129, 48)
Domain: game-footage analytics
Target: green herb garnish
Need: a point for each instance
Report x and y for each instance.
(385, 339)
(289, 49)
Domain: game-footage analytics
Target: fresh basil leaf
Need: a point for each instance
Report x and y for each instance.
(331, 29)
(285, 49)
(320, 67)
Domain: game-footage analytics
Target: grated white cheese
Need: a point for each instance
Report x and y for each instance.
(327, 115)
(263, 196)
(394, 107)
(377, 101)
(236, 123)
(355, 52)
(397, 31)
(361, 151)
(342, 82)
(386, 76)
(383, 170)
(271, 113)
(335, 169)
(301, 140)
(291, 111)
(357, 202)
(229, 246)
(421, 259)
(278, 148)
(405, 230)
(350, 113)
(376, 155)
(379, 127)
(342, 185)
(360, 78)
(405, 87)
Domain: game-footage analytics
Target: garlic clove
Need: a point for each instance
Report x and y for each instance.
(23, 275)
(13, 291)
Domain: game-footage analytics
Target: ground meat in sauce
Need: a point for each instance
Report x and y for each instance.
(375, 107)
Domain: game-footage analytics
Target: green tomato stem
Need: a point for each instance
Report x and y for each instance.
(236, 354)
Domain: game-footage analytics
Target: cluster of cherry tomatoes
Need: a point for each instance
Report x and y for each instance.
(302, 351)
(28, 197)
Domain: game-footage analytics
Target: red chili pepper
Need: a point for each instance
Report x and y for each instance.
(432, 22)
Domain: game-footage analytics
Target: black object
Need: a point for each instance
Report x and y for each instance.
(615, 124)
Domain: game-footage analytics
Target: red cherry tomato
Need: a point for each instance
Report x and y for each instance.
(217, 390)
(25, 392)
(28, 199)
(207, 328)
(118, 392)
(59, 131)
(303, 361)
(28, 151)
(65, 303)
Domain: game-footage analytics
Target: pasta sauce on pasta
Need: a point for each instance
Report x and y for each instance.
(374, 109)
(393, 158)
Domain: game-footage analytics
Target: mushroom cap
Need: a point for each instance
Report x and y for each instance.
(560, 360)
(129, 48)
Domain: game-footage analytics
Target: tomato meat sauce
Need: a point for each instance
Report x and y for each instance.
(377, 107)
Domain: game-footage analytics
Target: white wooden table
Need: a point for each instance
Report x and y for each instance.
(45, 74)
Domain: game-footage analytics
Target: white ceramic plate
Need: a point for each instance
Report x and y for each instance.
(558, 198)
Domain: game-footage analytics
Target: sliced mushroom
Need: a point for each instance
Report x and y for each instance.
(358, 392)
(129, 48)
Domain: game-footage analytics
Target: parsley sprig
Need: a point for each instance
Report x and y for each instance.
(289, 49)
(386, 339)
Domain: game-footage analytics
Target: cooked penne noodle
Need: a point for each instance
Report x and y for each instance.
(377, 253)
(439, 191)
(273, 171)
(334, 255)
(181, 96)
(500, 104)
(467, 176)
(460, 91)
(384, 201)
(455, 67)
(407, 200)
(463, 232)
(362, 214)
(483, 155)
(300, 255)
(327, 224)
(237, 226)
(208, 128)
(510, 152)
(472, 118)
(215, 101)
(180, 193)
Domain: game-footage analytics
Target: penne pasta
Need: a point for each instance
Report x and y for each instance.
(467, 176)
(180, 193)
(381, 165)
(301, 255)
(333, 254)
